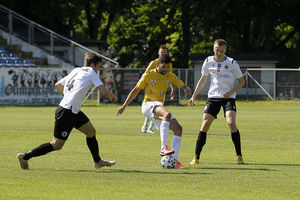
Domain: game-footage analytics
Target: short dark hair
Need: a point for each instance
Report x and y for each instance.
(91, 58)
(220, 42)
(163, 46)
(164, 58)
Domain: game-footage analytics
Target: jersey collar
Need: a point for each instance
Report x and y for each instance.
(219, 61)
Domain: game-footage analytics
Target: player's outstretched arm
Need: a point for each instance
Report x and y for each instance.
(199, 87)
(131, 96)
(107, 93)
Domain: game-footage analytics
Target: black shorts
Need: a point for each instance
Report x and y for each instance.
(214, 105)
(66, 120)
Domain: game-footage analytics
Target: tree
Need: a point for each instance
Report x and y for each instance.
(137, 34)
(135, 28)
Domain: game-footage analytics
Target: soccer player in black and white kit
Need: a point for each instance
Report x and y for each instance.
(74, 88)
(223, 72)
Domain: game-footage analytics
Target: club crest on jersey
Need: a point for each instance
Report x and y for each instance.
(219, 67)
(153, 82)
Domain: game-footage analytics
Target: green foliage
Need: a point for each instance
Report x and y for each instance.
(137, 34)
(270, 145)
(134, 29)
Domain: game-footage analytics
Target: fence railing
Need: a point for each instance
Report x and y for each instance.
(35, 86)
(273, 82)
(263, 83)
(50, 41)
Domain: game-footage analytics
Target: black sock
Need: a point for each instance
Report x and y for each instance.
(236, 139)
(39, 151)
(92, 143)
(200, 143)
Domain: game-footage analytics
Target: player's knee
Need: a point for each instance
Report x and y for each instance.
(206, 120)
(167, 116)
(205, 124)
(57, 146)
(91, 132)
(178, 130)
(231, 124)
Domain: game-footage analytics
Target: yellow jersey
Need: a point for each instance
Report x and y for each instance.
(156, 84)
(153, 64)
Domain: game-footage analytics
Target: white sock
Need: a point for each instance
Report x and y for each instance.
(151, 125)
(146, 122)
(176, 143)
(164, 131)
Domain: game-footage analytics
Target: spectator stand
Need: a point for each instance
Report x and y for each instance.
(13, 60)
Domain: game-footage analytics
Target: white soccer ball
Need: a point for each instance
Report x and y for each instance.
(168, 161)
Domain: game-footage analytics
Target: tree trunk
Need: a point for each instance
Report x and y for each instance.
(93, 22)
(107, 27)
(185, 22)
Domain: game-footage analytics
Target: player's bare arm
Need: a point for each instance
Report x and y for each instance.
(187, 90)
(199, 87)
(131, 96)
(172, 95)
(240, 84)
(107, 94)
(60, 88)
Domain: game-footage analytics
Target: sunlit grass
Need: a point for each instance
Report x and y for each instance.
(270, 135)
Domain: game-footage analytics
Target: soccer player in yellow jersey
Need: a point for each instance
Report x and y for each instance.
(152, 65)
(155, 83)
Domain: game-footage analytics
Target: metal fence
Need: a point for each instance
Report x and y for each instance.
(34, 86)
(273, 83)
(260, 83)
(53, 43)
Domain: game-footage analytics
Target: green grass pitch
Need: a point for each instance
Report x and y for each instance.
(270, 135)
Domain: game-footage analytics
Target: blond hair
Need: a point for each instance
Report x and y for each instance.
(220, 42)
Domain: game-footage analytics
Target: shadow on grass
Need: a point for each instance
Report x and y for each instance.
(239, 169)
(253, 164)
(167, 171)
(276, 164)
(186, 171)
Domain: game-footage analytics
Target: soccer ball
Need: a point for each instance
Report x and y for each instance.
(168, 161)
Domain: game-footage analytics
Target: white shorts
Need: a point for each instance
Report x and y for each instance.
(147, 110)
